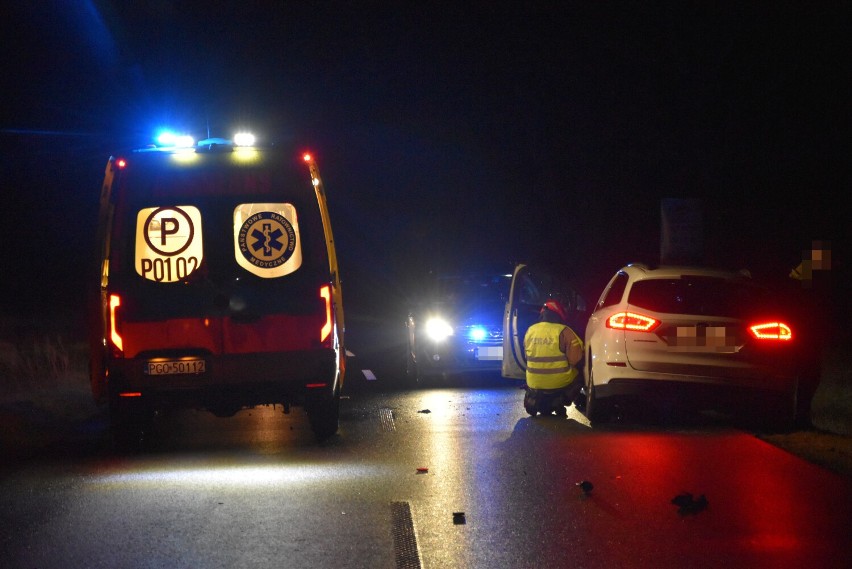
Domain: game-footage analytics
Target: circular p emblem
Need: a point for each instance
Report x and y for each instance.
(168, 231)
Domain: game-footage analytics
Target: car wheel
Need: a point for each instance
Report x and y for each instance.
(597, 410)
(324, 416)
(804, 396)
(780, 414)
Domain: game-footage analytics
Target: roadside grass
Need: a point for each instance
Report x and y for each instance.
(831, 408)
(47, 371)
(829, 450)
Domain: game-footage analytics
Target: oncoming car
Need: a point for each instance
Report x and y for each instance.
(455, 325)
(218, 285)
(683, 331)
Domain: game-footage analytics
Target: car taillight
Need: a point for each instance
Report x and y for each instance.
(771, 331)
(114, 325)
(632, 321)
(325, 294)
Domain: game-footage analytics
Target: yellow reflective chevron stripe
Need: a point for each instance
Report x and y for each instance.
(563, 368)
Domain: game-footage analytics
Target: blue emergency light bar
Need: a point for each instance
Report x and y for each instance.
(168, 139)
(171, 140)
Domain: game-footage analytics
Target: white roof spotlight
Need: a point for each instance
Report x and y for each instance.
(244, 139)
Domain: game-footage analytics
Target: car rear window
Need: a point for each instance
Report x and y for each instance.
(614, 294)
(709, 296)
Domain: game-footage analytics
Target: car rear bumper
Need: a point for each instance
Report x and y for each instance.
(242, 379)
(702, 387)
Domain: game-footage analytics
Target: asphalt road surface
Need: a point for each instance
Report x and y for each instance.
(449, 475)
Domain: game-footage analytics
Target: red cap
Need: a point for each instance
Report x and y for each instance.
(556, 306)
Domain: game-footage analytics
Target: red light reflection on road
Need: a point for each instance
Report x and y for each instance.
(767, 515)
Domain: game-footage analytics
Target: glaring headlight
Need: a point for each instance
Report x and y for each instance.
(244, 139)
(437, 329)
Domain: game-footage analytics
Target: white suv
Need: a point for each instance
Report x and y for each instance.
(679, 331)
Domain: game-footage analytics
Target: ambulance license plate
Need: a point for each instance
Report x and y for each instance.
(176, 367)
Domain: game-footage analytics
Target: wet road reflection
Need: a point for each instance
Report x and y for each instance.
(481, 485)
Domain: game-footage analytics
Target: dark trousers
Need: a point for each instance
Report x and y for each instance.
(547, 401)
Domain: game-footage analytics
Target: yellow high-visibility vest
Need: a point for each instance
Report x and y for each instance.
(547, 367)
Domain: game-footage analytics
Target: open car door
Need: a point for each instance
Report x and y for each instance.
(530, 288)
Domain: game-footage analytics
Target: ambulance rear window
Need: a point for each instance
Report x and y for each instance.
(176, 223)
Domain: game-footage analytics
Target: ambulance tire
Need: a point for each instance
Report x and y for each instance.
(130, 422)
(324, 416)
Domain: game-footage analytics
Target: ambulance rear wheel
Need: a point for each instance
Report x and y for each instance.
(324, 416)
(130, 421)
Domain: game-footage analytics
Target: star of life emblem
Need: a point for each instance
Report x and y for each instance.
(266, 239)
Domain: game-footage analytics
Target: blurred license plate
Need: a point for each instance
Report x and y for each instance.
(489, 353)
(703, 339)
(175, 367)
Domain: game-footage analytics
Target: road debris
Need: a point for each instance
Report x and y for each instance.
(459, 518)
(688, 505)
(585, 486)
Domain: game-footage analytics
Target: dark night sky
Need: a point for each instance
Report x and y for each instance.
(447, 135)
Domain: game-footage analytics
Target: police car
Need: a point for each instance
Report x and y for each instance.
(454, 325)
(218, 284)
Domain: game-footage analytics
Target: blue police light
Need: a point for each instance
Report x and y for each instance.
(169, 139)
(478, 333)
